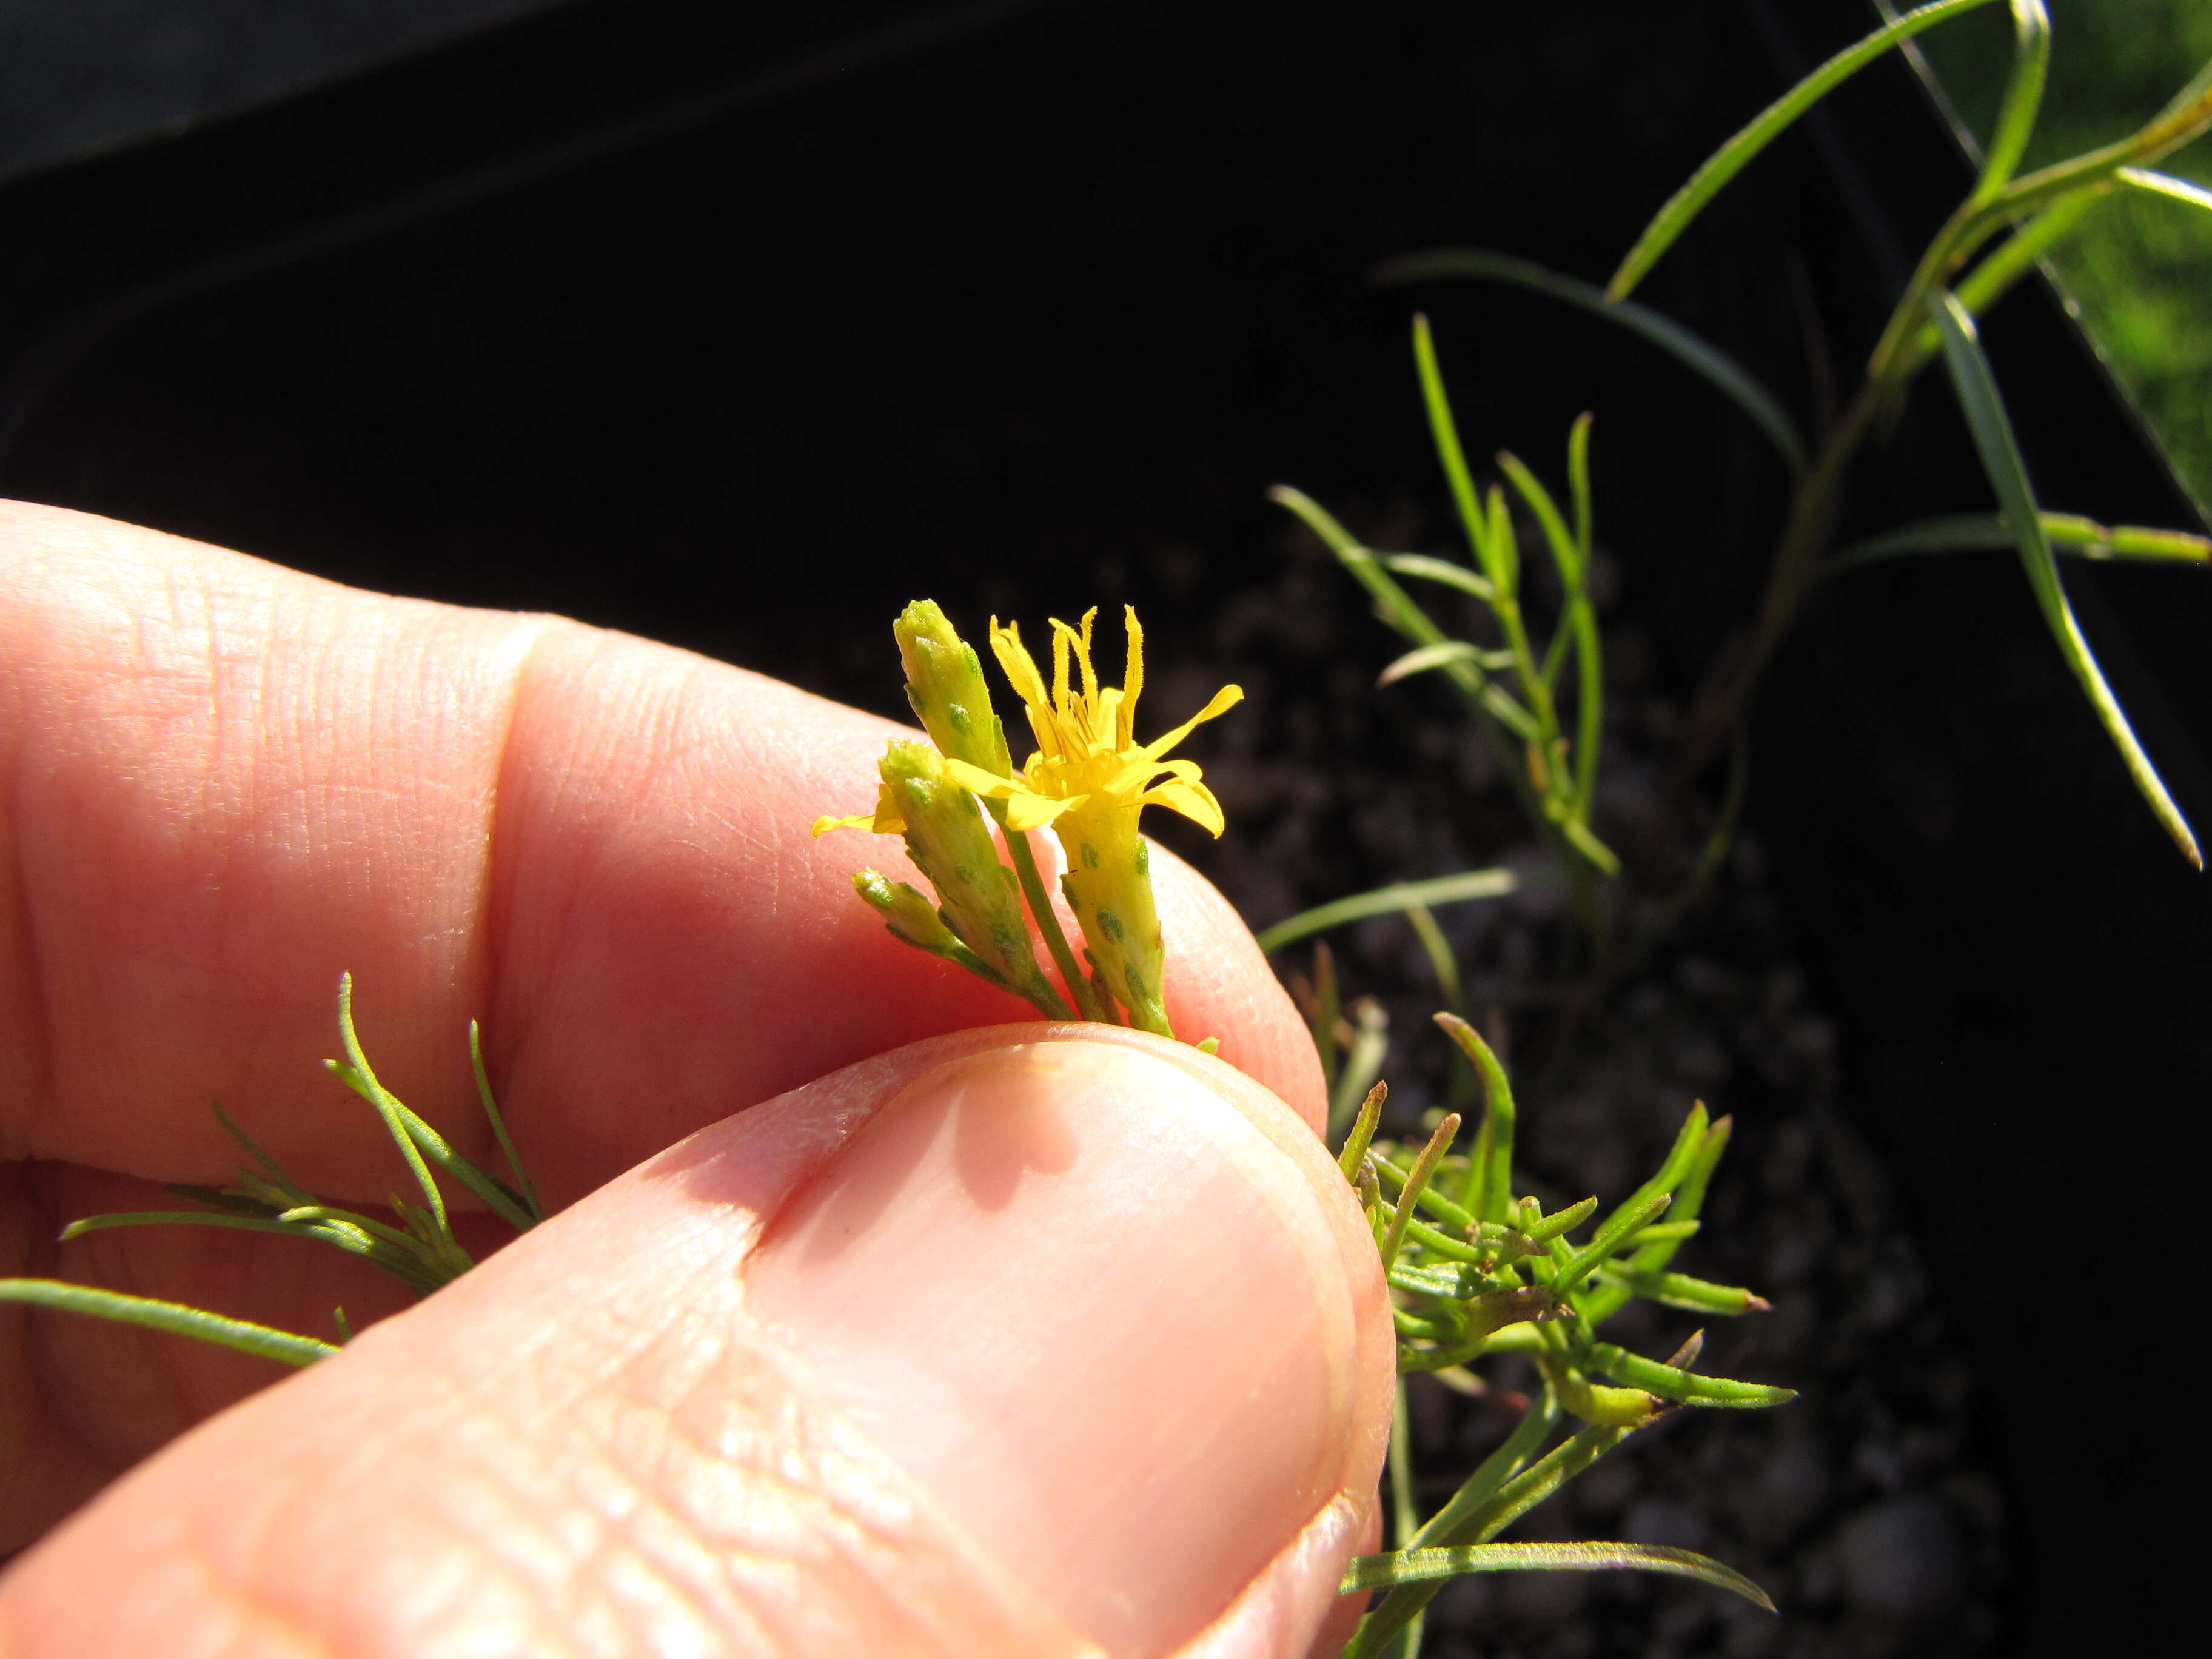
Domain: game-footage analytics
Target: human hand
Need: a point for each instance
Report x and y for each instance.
(1082, 1347)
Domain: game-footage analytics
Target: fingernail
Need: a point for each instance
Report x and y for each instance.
(1094, 1313)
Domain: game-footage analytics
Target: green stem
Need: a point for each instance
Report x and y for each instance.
(1086, 996)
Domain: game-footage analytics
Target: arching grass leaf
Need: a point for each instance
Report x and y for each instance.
(1695, 353)
(2001, 458)
(1769, 124)
(1369, 1572)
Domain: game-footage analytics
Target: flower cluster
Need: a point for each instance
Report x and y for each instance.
(1088, 780)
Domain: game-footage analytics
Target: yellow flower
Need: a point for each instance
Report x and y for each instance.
(1089, 779)
(1086, 739)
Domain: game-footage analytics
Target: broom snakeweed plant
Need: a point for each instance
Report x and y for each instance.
(1478, 1269)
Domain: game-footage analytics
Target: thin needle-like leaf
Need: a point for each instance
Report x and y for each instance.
(1371, 1572)
(357, 1076)
(1699, 356)
(1363, 1061)
(1494, 559)
(1429, 568)
(1770, 123)
(2165, 185)
(1423, 658)
(240, 1335)
(2001, 458)
(2023, 98)
(2067, 532)
(529, 1193)
(1388, 901)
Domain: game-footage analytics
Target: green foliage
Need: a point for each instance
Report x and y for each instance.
(1474, 1272)
(1514, 684)
(420, 1250)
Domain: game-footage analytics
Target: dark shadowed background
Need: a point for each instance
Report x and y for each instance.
(738, 327)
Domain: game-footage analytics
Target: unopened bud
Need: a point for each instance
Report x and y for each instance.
(945, 685)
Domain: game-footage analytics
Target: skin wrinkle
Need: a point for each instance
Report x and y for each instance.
(483, 973)
(239, 1607)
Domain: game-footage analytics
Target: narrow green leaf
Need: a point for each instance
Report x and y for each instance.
(1672, 1382)
(528, 1194)
(1417, 1179)
(1691, 350)
(1469, 1519)
(1362, 1134)
(356, 1075)
(1607, 1239)
(1560, 1222)
(1456, 1282)
(2023, 98)
(240, 1335)
(1488, 1193)
(1372, 1572)
(2067, 532)
(1731, 158)
(290, 1187)
(1495, 559)
(2165, 185)
(1396, 608)
(1681, 1158)
(1427, 567)
(1422, 659)
(1567, 552)
(1468, 886)
(1327, 1010)
(1363, 1061)
(1404, 1515)
(2001, 458)
(1437, 949)
(1671, 1290)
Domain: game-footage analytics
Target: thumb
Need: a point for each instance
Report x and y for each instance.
(1038, 1340)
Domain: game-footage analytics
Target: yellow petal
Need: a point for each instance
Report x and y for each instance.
(875, 820)
(1028, 811)
(1193, 800)
(1021, 669)
(976, 780)
(1224, 700)
(1140, 772)
(1133, 676)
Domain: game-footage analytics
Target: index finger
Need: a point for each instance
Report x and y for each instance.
(226, 782)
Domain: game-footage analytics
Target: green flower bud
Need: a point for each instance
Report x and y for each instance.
(945, 686)
(950, 843)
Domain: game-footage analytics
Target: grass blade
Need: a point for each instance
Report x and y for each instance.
(1369, 1572)
(1693, 351)
(2001, 458)
(2165, 183)
(1422, 659)
(1427, 567)
(2023, 98)
(1388, 901)
(1397, 607)
(1673, 219)
(240, 1335)
(1495, 558)
(2067, 532)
